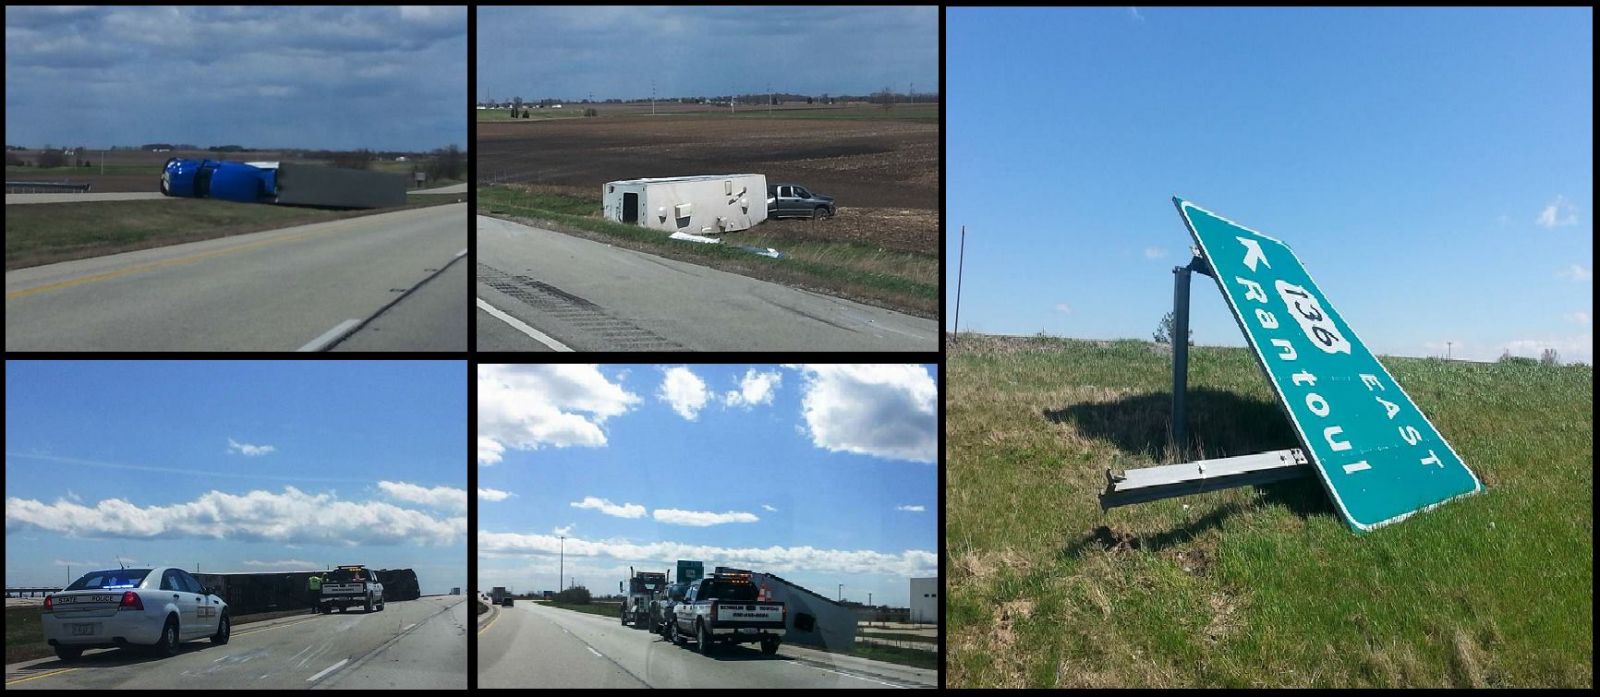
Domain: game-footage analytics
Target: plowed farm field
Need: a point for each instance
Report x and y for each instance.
(884, 174)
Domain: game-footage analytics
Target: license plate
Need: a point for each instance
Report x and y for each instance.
(82, 629)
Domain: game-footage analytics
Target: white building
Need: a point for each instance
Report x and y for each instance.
(925, 600)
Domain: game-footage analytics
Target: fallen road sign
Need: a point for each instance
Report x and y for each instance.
(1377, 454)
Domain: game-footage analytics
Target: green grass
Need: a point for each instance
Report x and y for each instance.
(916, 658)
(1256, 586)
(904, 281)
(611, 610)
(897, 636)
(46, 233)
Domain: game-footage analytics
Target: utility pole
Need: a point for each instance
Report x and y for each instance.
(841, 592)
(652, 96)
(563, 579)
(913, 93)
(769, 100)
(955, 331)
(1447, 351)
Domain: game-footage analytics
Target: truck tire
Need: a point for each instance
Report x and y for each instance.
(677, 634)
(769, 646)
(368, 604)
(702, 638)
(68, 653)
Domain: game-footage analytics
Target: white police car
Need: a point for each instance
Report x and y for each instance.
(157, 608)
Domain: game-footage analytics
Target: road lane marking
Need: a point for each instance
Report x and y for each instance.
(591, 650)
(327, 670)
(460, 254)
(851, 675)
(492, 620)
(332, 335)
(521, 326)
(41, 675)
(258, 630)
(407, 627)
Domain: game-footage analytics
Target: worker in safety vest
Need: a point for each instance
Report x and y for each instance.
(314, 591)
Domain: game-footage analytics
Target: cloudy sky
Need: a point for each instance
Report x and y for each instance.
(236, 466)
(822, 474)
(614, 52)
(386, 78)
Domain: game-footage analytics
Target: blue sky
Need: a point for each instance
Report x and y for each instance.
(823, 475)
(1431, 168)
(384, 78)
(236, 466)
(616, 51)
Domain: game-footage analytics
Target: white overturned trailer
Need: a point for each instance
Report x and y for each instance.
(698, 205)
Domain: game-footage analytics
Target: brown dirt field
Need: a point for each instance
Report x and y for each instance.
(887, 172)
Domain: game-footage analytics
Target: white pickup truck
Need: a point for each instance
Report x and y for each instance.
(350, 585)
(723, 609)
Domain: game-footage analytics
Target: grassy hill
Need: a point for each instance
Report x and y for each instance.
(1256, 586)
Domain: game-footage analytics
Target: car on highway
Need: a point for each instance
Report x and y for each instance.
(661, 617)
(725, 608)
(795, 201)
(348, 585)
(156, 608)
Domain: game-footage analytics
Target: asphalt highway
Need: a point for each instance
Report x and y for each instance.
(420, 644)
(581, 295)
(530, 645)
(298, 288)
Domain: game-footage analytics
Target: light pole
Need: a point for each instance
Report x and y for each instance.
(961, 262)
(560, 583)
(841, 592)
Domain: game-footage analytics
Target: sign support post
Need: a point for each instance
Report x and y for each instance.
(1180, 347)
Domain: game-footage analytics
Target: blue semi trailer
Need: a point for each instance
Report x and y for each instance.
(284, 183)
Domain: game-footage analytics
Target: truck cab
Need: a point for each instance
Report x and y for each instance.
(642, 588)
(725, 608)
(350, 585)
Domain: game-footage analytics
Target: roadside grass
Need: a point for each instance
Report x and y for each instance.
(903, 281)
(916, 658)
(897, 636)
(14, 173)
(1256, 586)
(611, 610)
(46, 233)
(537, 114)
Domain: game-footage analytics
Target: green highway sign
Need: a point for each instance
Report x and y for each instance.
(1376, 452)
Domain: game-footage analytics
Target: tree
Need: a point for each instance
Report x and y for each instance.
(1163, 333)
(52, 157)
(1549, 357)
(577, 595)
(448, 163)
(886, 97)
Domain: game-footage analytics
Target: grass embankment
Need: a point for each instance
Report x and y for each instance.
(898, 636)
(46, 233)
(899, 280)
(1256, 586)
(911, 657)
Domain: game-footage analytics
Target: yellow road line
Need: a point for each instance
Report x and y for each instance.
(41, 675)
(491, 622)
(160, 264)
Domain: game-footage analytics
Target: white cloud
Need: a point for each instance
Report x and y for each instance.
(293, 516)
(768, 509)
(1134, 13)
(526, 406)
(1155, 252)
(74, 496)
(887, 411)
(1064, 308)
(1579, 317)
(911, 509)
(487, 494)
(1576, 272)
(284, 565)
(564, 531)
(627, 510)
(684, 390)
(438, 497)
(248, 449)
(754, 388)
(775, 559)
(1560, 212)
(700, 519)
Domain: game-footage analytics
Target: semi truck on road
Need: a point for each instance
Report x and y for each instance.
(642, 588)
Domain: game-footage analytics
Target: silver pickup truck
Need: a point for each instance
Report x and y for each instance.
(350, 585)
(723, 609)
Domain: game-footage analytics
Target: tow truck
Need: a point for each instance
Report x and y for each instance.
(725, 608)
(641, 591)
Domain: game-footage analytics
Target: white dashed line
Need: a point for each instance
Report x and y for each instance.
(337, 332)
(327, 670)
(596, 653)
(521, 326)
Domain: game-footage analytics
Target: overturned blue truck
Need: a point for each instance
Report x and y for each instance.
(286, 183)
